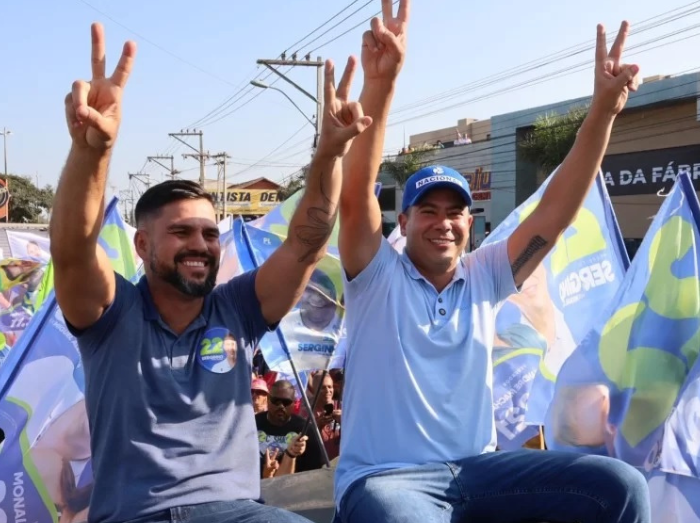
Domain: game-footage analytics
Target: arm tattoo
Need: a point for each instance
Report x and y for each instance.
(537, 243)
(319, 225)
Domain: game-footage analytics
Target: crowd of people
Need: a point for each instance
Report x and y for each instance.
(173, 434)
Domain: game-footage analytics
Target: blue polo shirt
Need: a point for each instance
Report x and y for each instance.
(418, 372)
(171, 416)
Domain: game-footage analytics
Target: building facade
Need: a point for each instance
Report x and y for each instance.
(657, 136)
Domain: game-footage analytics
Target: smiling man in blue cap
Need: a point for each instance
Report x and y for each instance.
(418, 427)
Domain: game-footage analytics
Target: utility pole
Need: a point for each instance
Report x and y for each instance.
(307, 62)
(200, 154)
(171, 169)
(221, 175)
(144, 178)
(5, 133)
(127, 196)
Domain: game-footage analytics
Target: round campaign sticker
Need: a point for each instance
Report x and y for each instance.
(217, 350)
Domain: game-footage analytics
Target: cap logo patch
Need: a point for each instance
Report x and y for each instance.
(433, 179)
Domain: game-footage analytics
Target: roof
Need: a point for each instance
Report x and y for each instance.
(265, 183)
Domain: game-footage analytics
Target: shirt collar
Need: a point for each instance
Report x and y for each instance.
(413, 272)
(150, 313)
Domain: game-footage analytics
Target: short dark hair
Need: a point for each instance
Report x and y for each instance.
(164, 193)
(283, 386)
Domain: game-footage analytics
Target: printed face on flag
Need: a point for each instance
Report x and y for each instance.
(46, 471)
(640, 352)
(29, 246)
(538, 328)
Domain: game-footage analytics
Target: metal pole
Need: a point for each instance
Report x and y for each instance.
(201, 159)
(223, 213)
(283, 342)
(7, 178)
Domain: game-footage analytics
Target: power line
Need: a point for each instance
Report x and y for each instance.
(273, 151)
(289, 47)
(159, 47)
(565, 71)
(324, 44)
(215, 115)
(549, 59)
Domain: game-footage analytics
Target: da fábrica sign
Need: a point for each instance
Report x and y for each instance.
(648, 172)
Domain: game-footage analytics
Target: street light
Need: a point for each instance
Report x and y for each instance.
(5, 133)
(261, 85)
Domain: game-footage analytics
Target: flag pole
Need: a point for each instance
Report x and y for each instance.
(304, 398)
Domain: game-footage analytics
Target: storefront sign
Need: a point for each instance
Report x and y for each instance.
(648, 172)
(248, 201)
(479, 184)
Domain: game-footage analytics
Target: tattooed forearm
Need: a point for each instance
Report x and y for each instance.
(537, 243)
(315, 231)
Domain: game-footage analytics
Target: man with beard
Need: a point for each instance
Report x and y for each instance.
(170, 438)
(280, 433)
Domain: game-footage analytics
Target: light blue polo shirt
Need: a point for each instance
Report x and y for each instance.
(171, 417)
(418, 372)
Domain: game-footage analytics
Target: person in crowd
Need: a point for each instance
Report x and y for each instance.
(419, 431)
(281, 436)
(168, 435)
(326, 411)
(261, 394)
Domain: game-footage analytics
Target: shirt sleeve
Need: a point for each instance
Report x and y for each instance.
(380, 265)
(91, 338)
(494, 259)
(239, 293)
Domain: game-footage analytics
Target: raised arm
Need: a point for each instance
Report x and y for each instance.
(383, 52)
(83, 278)
(536, 236)
(283, 277)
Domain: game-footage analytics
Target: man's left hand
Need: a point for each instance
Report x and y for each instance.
(613, 79)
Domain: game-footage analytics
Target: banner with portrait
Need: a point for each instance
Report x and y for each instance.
(630, 389)
(45, 466)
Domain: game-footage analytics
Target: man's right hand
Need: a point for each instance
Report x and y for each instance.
(384, 46)
(93, 109)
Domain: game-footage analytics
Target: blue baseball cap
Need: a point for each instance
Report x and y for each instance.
(434, 177)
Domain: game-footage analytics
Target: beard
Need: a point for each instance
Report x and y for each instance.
(188, 287)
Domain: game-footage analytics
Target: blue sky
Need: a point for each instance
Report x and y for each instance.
(46, 45)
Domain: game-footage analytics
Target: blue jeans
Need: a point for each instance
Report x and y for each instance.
(505, 487)
(242, 511)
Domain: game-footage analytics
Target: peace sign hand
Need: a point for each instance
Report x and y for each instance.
(384, 46)
(343, 121)
(613, 79)
(93, 109)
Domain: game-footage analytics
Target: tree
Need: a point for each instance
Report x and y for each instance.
(404, 165)
(296, 182)
(551, 138)
(27, 201)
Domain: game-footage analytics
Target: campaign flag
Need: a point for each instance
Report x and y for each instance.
(616, 392)
(28, 246)
(45, 466)
(538, 328)
(311, 331)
